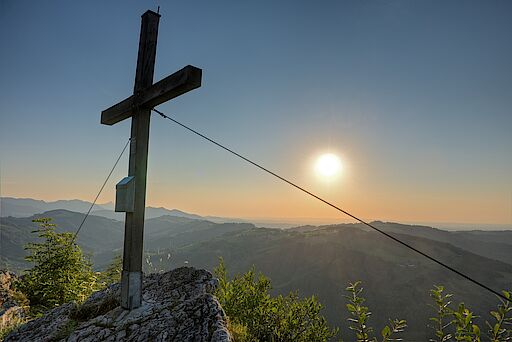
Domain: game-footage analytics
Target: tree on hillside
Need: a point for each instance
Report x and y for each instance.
(61, 272)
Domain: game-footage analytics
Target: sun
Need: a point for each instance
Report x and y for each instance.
(328, 165)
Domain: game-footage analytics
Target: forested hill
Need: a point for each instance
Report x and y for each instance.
(322, 263)
(313, 260)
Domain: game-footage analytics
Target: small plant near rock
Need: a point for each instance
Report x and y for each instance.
(12, 325)
(360, 315)
(458, 324)
(14, 305)
(156, 263)
(112, 274)
(499, 330)
(443, 312)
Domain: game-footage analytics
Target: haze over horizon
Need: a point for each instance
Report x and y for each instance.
(267, 222)
(414, 97)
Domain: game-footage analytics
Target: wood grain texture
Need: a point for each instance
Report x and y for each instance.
(182, 81)
(118, 112)
(131, 284)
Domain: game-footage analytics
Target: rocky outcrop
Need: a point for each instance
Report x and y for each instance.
(177, 306)
(12, 304)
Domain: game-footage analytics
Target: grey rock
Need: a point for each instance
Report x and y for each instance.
(177, 306)
(13, 307)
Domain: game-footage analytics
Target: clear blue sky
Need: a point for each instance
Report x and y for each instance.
(415, 97)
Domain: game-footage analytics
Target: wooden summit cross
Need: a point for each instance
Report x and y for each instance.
(131, 191)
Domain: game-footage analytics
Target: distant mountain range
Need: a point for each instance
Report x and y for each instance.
(315, 260)
(103, 237)
(27, 207)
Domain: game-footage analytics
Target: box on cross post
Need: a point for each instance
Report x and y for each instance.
(125, 195)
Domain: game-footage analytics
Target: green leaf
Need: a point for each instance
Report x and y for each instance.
(386, 332)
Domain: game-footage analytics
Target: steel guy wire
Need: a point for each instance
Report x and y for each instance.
(463, 275)
(99, 192)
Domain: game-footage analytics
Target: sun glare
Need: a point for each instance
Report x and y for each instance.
(328, 165)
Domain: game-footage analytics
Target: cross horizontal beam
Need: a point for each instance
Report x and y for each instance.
(172, 86)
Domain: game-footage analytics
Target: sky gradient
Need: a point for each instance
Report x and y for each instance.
(414, 96)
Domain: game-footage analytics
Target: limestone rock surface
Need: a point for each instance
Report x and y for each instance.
(12, 307)
(177, 306)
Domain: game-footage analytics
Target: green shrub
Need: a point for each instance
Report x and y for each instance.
(254, 315)
(498, 331)
(61, 273)
(460, 322)
(296, 319)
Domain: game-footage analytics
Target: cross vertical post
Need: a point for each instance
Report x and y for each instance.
(131, 191)
(131, 278)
